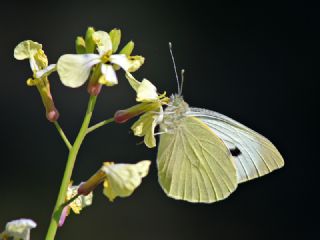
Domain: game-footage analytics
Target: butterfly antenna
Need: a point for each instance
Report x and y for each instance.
(182, 81)
(174, 66)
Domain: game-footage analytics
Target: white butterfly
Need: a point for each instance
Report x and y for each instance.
(203, 155)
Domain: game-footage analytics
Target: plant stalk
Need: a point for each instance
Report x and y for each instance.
(68, 170)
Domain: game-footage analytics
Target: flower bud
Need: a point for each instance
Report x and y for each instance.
(94, 88)
(127, 49)
(115, 36)
(90, 44)
(122, 116)
(80, 45)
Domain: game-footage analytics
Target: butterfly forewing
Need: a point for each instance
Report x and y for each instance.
(256, 155)
(194, 164)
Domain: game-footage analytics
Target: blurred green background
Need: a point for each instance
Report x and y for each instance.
(252, 63)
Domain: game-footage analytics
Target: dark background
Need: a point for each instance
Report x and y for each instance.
(252, 63)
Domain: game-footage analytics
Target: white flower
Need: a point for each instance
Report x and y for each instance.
(19, 229)
(74, 69)
(122, 179)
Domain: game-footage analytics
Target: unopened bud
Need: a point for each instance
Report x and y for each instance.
(94, 88)
(122, 116)
(127, 49)
(80, 45)
(53, 115)
(90, 44)
(115, 36)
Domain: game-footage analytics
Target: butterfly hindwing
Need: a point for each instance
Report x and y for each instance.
(194, 164)
(255, 155)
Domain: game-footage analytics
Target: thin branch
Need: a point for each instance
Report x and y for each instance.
(100, 124)
(63, 136)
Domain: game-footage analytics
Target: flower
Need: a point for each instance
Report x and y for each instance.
(118, 179)
(39, 65)
(74, 69)
(80, 202)
(122, 179)
(77, 204)
(150, 104)
(18, 229)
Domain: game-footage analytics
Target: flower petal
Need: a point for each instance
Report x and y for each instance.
(129, 64)
(26, 49)
(143, 168)
(74, 69)
(123, 179)
(136, 63)
(145, 126)
(132, 81)
(20, 229)
(108, 77)
(147, 92)
(103, 42)
(46, 72)
(121, 60)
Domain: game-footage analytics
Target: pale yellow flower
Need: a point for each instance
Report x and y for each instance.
(74, 69)
(148, 96)
(122, 179)
(41, 70)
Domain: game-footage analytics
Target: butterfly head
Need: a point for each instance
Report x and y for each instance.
(177, 107)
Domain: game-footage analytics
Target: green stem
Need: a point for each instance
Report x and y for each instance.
(63, 136)
(100, 124)
(69, 168)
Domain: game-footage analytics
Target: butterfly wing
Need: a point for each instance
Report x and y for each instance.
(256, 155)
(194, 164)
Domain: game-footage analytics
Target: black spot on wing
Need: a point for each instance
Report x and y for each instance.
(235, 151)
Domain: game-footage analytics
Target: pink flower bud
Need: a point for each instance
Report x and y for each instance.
(94, 88)
(122, 116)
(53, 115)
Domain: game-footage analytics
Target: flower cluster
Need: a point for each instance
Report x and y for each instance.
(96, 55)
(74, 69)
(96, 61)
